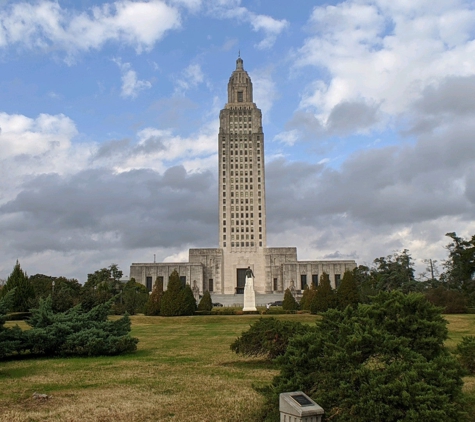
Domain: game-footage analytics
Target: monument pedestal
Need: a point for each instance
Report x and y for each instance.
(249, 295)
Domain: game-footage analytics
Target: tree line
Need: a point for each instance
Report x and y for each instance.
(452, 289)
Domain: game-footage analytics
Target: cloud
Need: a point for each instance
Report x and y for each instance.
(131, 86)
(94, 211)
(265, 91)
(46, 25)
(23, 135)
(377, 58)
(271, 27)
(191, 77)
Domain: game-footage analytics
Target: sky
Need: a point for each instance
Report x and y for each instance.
(109, 120)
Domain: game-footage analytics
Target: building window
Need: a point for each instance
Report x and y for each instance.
(275, 284)
(337, 280)
(148, 283)
(210, 285)
(303, 281)
(239, 96)
(183, 280)
(314, 280)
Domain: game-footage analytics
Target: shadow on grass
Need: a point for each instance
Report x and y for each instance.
(250, 364)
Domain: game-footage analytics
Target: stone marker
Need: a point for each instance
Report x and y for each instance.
(298, 407)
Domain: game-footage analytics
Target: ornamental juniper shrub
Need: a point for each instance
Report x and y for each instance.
(77, 332)
(268, 337)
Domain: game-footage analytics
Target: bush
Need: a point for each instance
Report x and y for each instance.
(324, 297)
(152, 307)
(77, 333)
(451, 301)
(307, 298)
(205, 303)
(347, 293)
(384, 361)
(11, 339)
(177, 300)
(466, 353)
(268, 337)
(289, 303)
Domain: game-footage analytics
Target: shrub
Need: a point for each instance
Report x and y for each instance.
(347, 293)
(78, 333)
(307, 298)
(268, 337)
(324, 297)
(152, 307)
(11, 339)
(384, 361)
(205, 303)
(289, 303)
(177, 300)
(466, 353)
(451, 301)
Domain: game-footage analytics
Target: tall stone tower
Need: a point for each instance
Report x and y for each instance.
(242, 219)
(242, 204)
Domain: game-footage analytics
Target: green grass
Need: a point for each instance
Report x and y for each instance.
(182, 371)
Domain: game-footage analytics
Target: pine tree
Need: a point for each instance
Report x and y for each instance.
(187, 301)
(177, 300)
(205, 303)
(307, 298)
(324, 296)
(152, 307)
(24, 292)
(11, 339)
(347, 293)
(289, 303)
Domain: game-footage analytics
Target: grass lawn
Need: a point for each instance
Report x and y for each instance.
(183, 371)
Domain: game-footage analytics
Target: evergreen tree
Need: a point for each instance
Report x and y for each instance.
(384, 361)
(205, 303)
(11, 339)
(347, 293)
(289, 303)
(152, 307)
(177, 299)
(24, 293)
(307, 297)
(135, 296)
(78, 333)
(324, 296)
(187, 301)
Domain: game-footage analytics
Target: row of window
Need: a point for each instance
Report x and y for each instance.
(241, 152)
(243, 173)
(241, 166)
(148, 282)
(242, 244)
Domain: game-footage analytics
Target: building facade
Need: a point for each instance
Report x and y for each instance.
(242, 216)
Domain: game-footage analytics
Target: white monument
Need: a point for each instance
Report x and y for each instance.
(249, 293)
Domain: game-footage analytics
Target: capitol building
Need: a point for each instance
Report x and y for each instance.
(242, 218)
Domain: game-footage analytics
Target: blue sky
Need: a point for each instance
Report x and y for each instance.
(109, 118)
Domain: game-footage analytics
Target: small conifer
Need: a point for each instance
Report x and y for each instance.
(289, 303)
(205, 303)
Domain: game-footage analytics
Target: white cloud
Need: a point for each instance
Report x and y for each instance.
(46, 24)
(265, 92)
(21, 135)
(288, 137)
(268, 25)
(131, 86)
(191, 77)
(384, 52)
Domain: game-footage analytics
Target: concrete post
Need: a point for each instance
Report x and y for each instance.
(298, 407)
